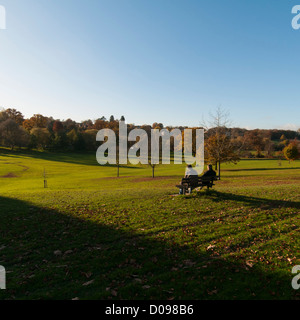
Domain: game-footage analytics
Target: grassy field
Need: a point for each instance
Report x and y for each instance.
(90, 235)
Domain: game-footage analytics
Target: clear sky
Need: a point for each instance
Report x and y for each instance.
(169, 61)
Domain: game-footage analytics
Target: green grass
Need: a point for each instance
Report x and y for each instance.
(93, 236)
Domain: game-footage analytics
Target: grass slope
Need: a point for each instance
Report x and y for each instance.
(93, 236)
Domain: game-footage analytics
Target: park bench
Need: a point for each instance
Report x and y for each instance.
(193, 182)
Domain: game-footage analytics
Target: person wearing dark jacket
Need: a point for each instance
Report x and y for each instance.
(209, 173)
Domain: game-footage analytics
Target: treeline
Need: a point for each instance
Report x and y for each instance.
(46, 133)
(262, 143)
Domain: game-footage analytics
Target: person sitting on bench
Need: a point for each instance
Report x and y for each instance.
(210, 173)
(191, 173)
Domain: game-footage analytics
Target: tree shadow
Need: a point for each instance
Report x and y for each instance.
(260, 169)
(255, 202)
(86, 158)
(53, 255)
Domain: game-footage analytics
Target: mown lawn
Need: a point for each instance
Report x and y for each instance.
(93, 236)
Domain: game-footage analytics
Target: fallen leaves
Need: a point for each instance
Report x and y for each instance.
(146, 287)
(113, 292)
(189, 263)
(57, 253)
(210, 247)
(249, 263)
(88, 283)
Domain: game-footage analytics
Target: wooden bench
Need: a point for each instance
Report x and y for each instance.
(191, 183)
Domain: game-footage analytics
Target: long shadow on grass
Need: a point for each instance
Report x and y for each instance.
(52, 255)
(76, 158)
(256, 202)
(260, 169)
(86, 158)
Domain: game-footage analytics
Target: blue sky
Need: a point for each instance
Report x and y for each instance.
(169, 61)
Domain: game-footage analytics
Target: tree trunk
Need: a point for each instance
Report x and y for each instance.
(153, 172)
(219, 169)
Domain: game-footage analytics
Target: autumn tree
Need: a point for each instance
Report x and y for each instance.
(86, 124)
(89, 137)
(13, 114)
(283, 141)
(156, 125)
(269, 147)
(76, 140)
(100, 124)
(3, 116)
(57, 126)
(41, 137)
(27, 125)
(218, 145)
(255, 141)
(49, 124)
(159, 126)
(60, 142)
(36, 121)
(39, 121)
(291, 151)
(12, 135)
(69, 125)
(218, 149)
